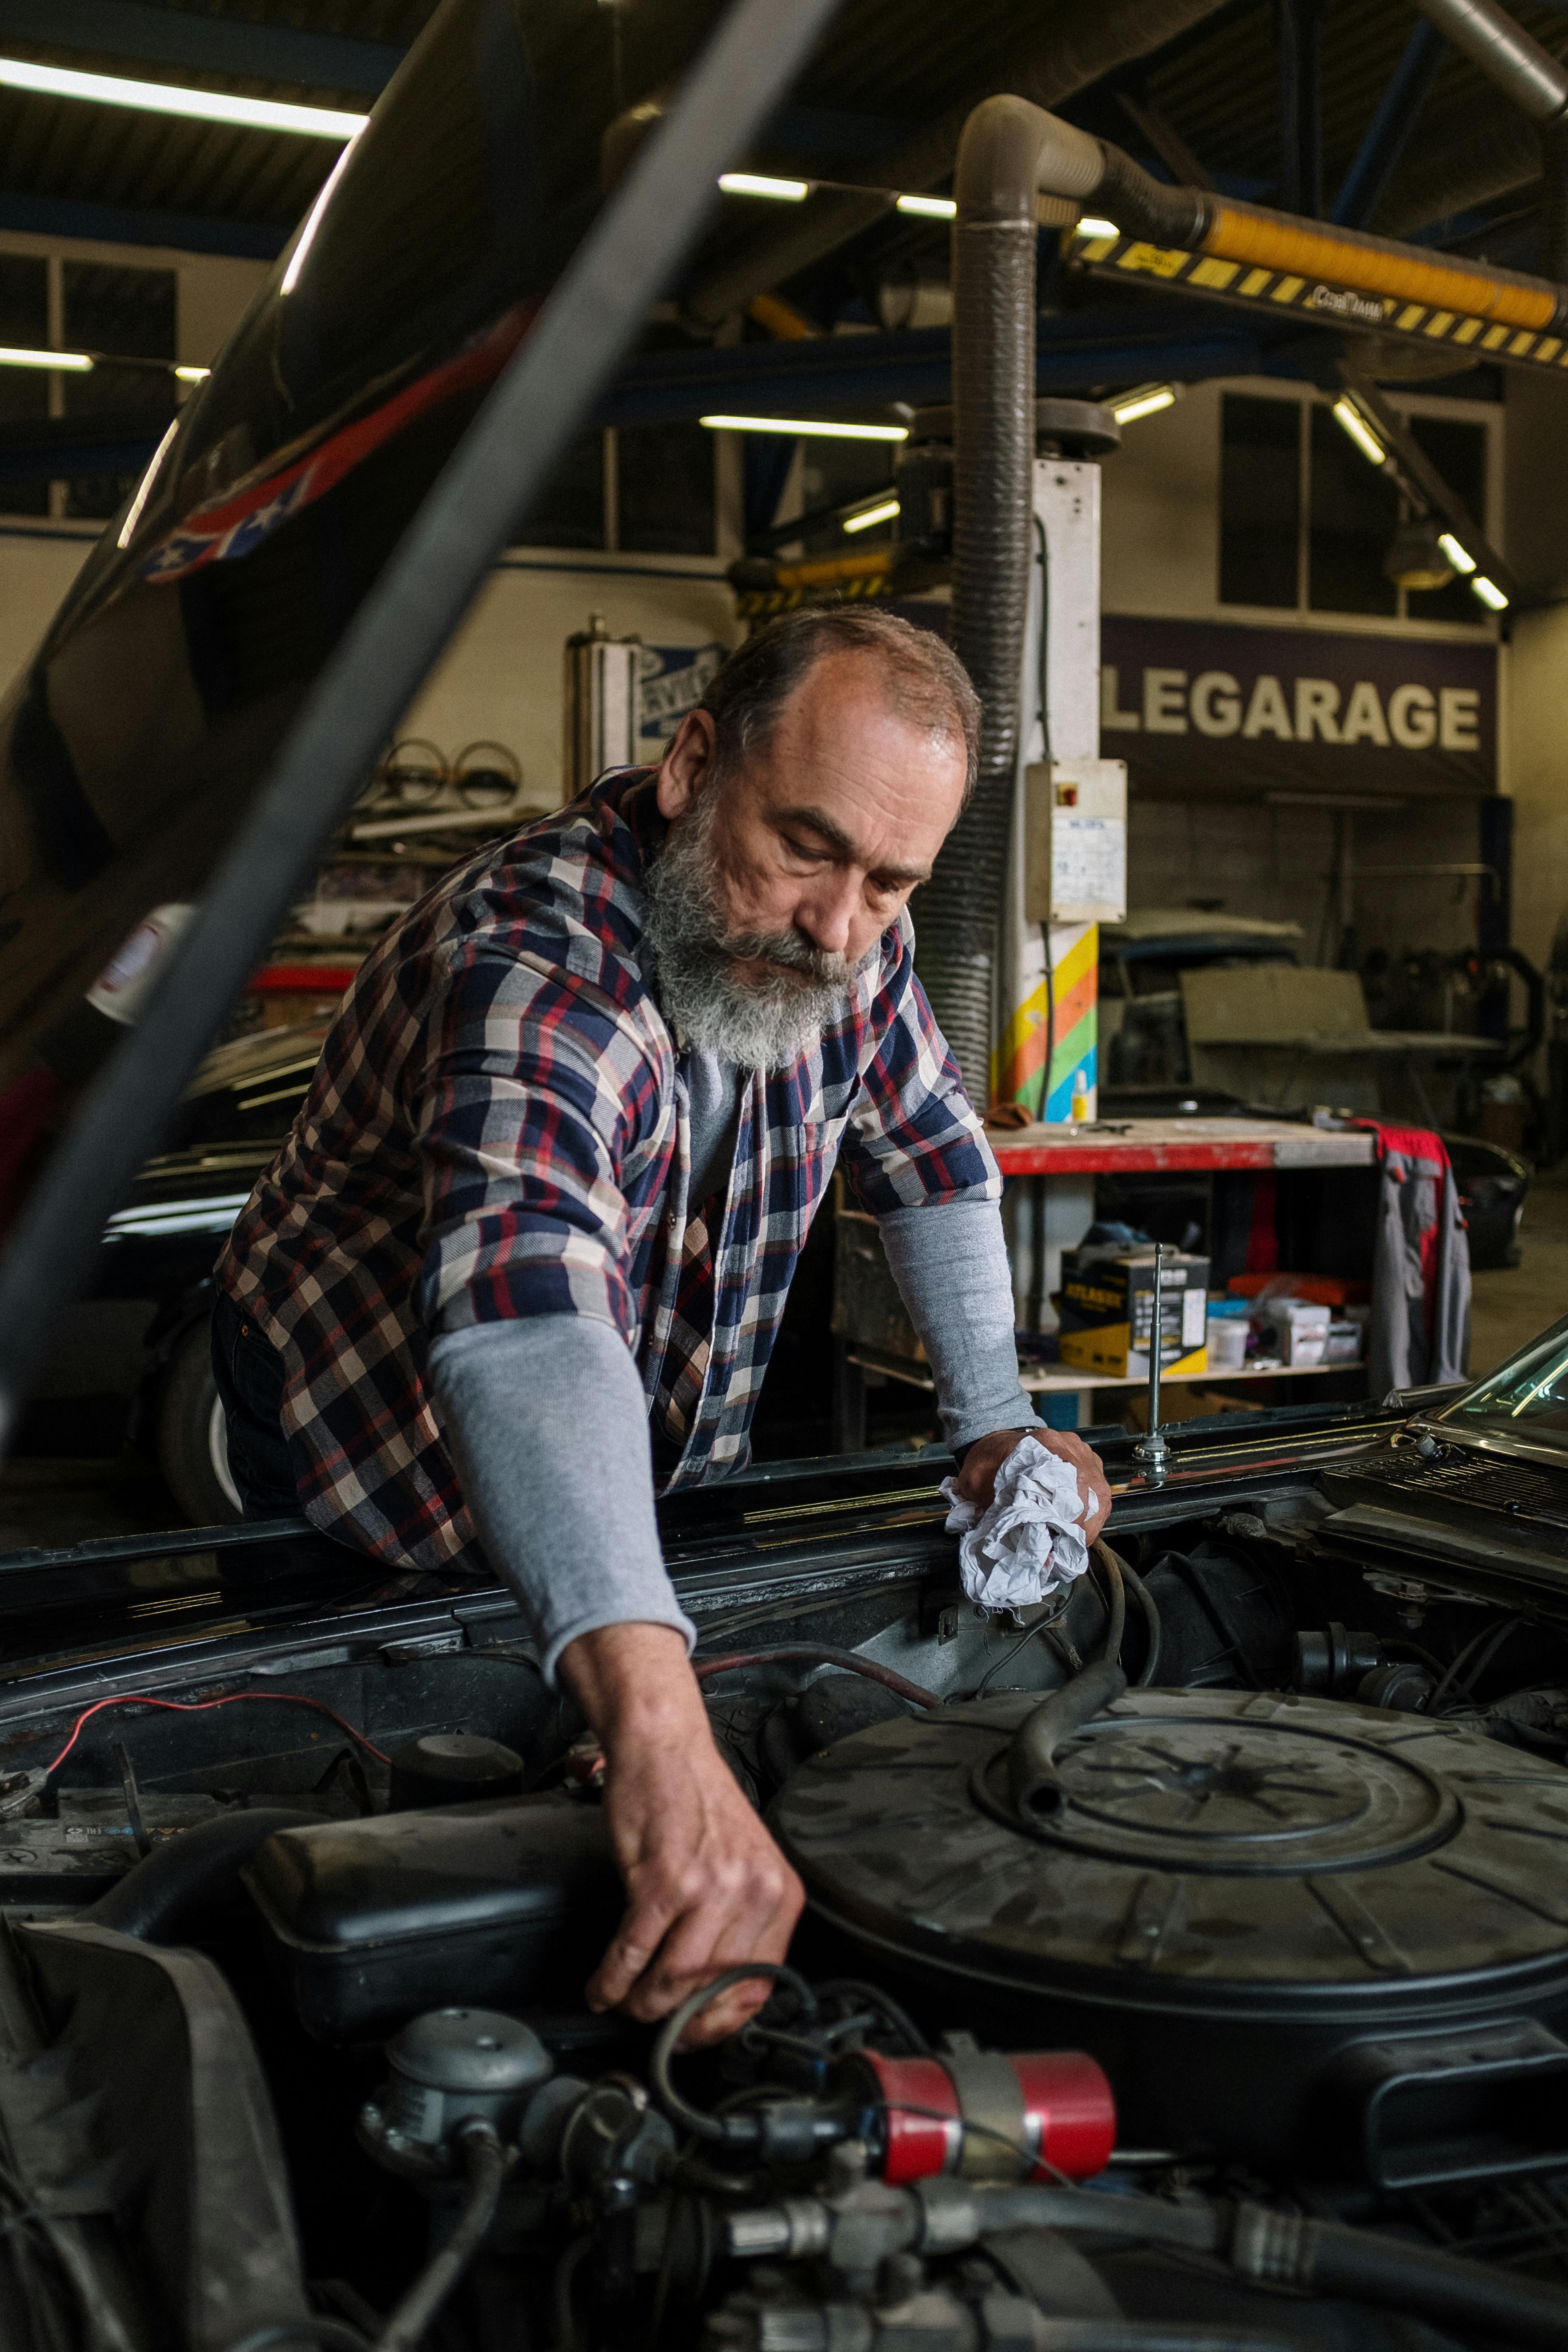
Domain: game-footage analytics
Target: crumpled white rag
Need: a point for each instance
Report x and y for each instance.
(1029, 1541)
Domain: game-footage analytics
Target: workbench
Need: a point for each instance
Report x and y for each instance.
(1047, 1205)
(1139, 1145)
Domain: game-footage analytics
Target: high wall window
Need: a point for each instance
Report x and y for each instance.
(1306, 520)
(570, 509)
(645, 490)
(129, 314)
(23, 391)
(1260, 501)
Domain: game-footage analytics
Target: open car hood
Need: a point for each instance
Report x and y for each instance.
(132, 743)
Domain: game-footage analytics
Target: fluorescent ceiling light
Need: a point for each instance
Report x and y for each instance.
(757, 184)
(78, 363)
(192, 374)
(869, 515)
(1353, 422)
(1459, 555)
(1093, 228)
(1489, 591)
(931, 207)
(165, 98)
(1147, 401)
(809, 427)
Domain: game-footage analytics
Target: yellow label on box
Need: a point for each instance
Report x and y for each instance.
(1108, 1348)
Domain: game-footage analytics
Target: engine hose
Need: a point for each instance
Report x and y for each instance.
(818, 1653)
(315, 2327)
(1114, 1570)
(734, 2129)
(1032, 1777)
(1276, 2249)
(1467, 2297)
(1155, 1629)
(485, 2167)
(157, 1899)
(1155, 2335)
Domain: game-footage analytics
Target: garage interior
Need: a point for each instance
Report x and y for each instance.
(1196, 371)
(1326, 565)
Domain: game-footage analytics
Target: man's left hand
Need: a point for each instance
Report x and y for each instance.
(976, 1482)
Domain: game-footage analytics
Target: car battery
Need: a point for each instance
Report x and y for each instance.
(1107, 1311)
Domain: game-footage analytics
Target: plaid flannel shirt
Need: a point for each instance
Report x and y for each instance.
(498, 1127)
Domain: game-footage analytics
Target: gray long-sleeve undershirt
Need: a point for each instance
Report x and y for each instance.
(547, 1424)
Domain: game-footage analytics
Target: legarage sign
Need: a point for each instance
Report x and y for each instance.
(1195, 704)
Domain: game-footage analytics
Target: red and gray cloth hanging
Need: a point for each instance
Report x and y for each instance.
(1421, 1264)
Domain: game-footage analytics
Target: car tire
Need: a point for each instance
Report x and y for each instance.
(192, 1437)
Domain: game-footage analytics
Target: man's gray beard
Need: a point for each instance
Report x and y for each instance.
(764, 1024)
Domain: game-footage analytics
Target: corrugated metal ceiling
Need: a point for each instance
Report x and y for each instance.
(888, 66)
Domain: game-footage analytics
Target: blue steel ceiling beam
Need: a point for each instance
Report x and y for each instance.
(224, 46)
(840, 373)
(828, 131)
(1387, 135)
(823, 378)
(1299, 33)
(135, 224)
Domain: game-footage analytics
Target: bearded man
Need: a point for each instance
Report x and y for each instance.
(520, 1265)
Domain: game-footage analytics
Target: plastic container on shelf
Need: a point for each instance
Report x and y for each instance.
(1344, 1343)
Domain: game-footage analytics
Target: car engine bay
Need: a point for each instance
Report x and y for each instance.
(1222, 1883)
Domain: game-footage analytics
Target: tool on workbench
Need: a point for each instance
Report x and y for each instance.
(1150, 1452)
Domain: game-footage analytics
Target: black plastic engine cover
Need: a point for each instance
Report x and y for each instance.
(1238, 1888)
(496, 1901)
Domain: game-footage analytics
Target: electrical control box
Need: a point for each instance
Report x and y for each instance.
(1075, 867)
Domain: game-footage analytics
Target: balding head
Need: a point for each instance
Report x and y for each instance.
(806, 799)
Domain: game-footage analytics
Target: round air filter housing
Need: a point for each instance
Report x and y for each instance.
(444, 1768)
(1259, 1913)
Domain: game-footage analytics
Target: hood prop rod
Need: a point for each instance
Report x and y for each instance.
(1151, 1450)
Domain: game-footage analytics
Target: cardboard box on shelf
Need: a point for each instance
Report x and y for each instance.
(1107, 1310)
(1295, 1329)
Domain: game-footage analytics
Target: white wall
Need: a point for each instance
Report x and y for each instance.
(502, 678)
(1538, 699)
(1536, 678)
(39, 560)
(1160, 511)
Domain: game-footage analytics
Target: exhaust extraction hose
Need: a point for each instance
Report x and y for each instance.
(1008, 148)
(1010, 153)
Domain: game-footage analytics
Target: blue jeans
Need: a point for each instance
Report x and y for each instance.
(267, 1465)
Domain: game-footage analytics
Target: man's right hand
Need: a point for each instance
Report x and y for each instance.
(707, 1889)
